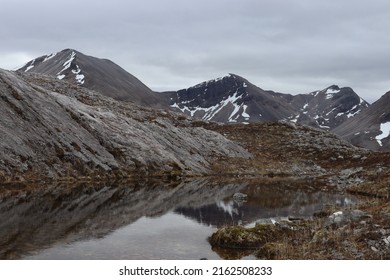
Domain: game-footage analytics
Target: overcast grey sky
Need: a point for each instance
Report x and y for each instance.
(295, 46)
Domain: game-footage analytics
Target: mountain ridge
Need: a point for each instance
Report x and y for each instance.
(228, 99)
(234, 99)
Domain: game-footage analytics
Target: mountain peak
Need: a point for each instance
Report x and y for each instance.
(94, 73)
(334, 87)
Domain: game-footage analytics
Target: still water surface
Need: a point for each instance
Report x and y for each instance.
(144, 221)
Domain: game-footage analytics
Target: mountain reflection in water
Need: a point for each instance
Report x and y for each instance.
(146, 220)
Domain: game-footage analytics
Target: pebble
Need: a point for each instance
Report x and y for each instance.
(374, 249)
(387, 240)
(240, 196)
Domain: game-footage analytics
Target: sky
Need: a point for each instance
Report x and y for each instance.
(289, 46)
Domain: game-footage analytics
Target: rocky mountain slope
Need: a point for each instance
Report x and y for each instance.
(53, 129)
(234, 99)
(371, 128)
(101, 75)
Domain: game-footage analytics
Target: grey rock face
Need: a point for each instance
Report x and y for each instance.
(56, 129)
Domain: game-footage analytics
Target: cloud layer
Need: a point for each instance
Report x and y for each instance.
(288, 46)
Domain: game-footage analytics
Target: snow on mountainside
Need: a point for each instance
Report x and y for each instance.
(69, 69)
(327, 108)
(371, 128)
(233, 99)
(207, 100)
(101, 75)
(230, 99)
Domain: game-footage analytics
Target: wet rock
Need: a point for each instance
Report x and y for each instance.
(240, 196)
(240, 237)
(346, 178)
(345, 217)
(346, 173)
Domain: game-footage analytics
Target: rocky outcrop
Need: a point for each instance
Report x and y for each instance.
(53, 129)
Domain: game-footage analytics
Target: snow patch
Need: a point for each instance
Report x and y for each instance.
(385, 129)
(331, 92)
(244, 113)
(30, 66)
(210, 112)
(49, 57)
(79, 77)
(294, 119)
(330, 112)
(235, 111)
(67, 63)
(204, 84)
(353, 114)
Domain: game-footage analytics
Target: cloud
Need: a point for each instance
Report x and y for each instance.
(290, 46)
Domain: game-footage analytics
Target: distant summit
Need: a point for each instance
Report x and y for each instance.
(101, 75)
(327, 108)
(371, 128)
(232, 99)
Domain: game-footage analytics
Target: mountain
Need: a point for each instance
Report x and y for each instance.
(234, 99)
(230, 99)
(101, 75)
(53, 129)
(371, 128)
(227, 99)
(327, 108)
